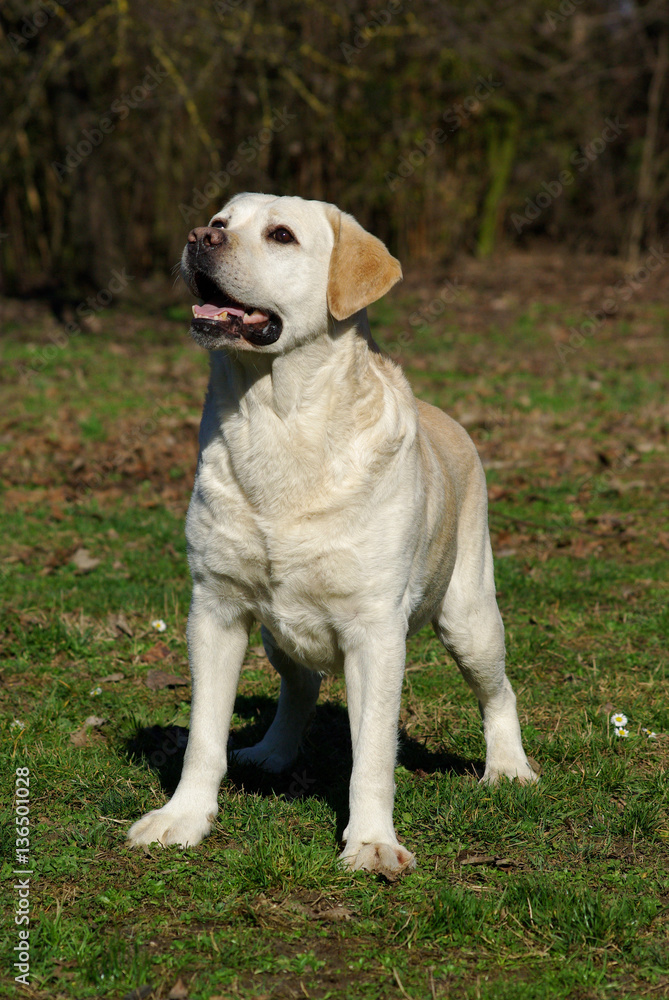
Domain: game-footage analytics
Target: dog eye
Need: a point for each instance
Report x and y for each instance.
(282, 235)
(219, 223)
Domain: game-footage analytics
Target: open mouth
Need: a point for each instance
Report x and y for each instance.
(221, 318)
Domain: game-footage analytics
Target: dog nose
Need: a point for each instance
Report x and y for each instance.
(208, 236)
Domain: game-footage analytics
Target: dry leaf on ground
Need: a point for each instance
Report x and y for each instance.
(120, 623)
(84, 561)
(336, 913)
(157, 679)
(158, 652)
(179, 991)
(465, 858)
(79, 738)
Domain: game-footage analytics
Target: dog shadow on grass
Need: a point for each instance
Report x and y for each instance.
(322, 769)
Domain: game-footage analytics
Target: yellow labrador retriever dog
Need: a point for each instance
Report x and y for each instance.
(330, 505)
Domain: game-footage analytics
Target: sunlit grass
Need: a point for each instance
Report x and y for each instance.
(520, 893)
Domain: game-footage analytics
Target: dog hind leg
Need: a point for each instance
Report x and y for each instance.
(470, 627)
(297, 699)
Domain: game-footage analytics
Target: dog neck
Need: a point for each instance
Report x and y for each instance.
(312, 374)
(290, 424)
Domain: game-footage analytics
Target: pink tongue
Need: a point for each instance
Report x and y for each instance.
(208, 311)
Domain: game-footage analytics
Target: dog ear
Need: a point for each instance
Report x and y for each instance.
(361, 269)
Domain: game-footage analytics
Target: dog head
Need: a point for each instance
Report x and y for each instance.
(274, 272)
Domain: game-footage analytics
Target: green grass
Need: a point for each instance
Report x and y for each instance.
(520, 893)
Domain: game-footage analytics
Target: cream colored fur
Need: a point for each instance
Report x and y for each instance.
(339, 512)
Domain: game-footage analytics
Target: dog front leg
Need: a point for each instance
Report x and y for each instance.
(373, 688)
(216, 646)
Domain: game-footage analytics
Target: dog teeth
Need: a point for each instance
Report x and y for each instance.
(254, 316)
(221, 317)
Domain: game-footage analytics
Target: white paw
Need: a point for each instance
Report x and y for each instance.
(520, 771)
(267, 757)
(382, 858)
(171, 826)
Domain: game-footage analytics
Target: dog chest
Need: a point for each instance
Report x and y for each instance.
(304, 578)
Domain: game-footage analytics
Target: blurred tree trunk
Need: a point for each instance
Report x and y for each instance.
(502, 146)
(643, 215)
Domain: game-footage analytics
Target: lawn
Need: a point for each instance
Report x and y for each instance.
(559, 890)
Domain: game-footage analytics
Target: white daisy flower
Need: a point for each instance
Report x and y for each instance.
(158, 624)
(621, 731)
(17, 724)
(649, 734)
(619, 720)
(95, 691)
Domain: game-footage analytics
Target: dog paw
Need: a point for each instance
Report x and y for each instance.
(167, 826)
(521, 772)
(266, 757)
(382, 859)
